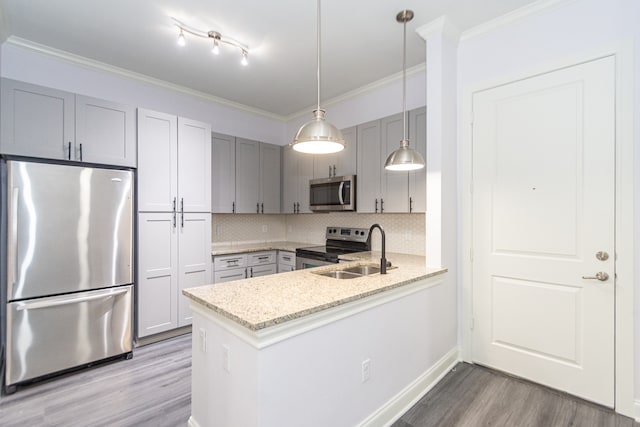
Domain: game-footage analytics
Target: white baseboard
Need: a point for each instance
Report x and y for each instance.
(403, 401)
(636, 412)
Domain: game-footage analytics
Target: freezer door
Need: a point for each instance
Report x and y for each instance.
(70, 228)
(47, 335)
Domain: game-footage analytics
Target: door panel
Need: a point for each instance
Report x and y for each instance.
(194, 166)
(543, 205)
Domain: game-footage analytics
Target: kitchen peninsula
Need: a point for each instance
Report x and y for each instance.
(300, 348)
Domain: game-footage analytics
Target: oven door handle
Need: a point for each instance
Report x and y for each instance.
(340, 191)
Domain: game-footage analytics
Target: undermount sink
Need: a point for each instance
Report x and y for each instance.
(364, 270)
(352, 272)
(342, 274)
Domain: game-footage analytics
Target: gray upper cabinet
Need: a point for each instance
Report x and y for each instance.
(269, 178)
(174, 171)
(382, 191)
(105, 132)
(418, 179)
(394, 186)
(257, 177)
(341, 163)
(223, 173)
(369, 170)
(297, 170)
(48, 123)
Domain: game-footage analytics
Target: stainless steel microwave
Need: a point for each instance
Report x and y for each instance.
(333, 194)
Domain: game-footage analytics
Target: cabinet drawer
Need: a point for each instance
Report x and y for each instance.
(229, 275)
(262, 270)
(261, 258)
(226, 262)
(286, 258)
(282, 268)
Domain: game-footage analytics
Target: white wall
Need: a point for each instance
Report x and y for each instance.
(27, 65)
(567, 32)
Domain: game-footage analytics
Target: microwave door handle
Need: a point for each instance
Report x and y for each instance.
(340, 191)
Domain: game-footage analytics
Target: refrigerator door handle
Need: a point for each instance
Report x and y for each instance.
(12, 261)
(73, 300)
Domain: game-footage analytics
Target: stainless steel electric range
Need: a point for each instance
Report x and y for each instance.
(339, 241)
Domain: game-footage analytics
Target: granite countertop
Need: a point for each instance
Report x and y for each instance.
(228, 249)
(266, 301)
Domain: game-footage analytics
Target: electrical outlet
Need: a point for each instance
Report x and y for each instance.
(203, 340)
(265, 228)
(366, 370)
(226, 358)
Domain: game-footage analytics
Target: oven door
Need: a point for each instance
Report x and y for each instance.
(302, 262)
(333, 194)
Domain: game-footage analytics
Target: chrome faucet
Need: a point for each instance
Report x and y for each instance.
(383, 260)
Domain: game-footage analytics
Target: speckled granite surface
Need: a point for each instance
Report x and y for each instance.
(226, 249)
(270, 300)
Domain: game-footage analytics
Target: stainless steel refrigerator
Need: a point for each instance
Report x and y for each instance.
(67, 267)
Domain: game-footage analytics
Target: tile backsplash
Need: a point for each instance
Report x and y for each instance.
(405, 232)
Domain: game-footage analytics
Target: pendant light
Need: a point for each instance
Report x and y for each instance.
(318, 136)
(404, 158)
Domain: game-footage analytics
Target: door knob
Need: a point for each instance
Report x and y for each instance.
(601, 275)
(602, 256)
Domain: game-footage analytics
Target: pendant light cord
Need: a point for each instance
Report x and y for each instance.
(318, 55)
(404, 80)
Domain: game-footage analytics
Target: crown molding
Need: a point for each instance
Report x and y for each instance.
(361, 90)
(132, 75)
(441, 26)
(514, 15)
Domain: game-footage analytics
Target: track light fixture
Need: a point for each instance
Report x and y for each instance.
(217, 38)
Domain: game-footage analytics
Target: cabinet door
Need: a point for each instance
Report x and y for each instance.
(346, 159)
(223, 173)
(394, 185)
(194, 252)
(270, 178)
(105, 132)
(247, 176)
(305, 173)
(157, 161)
(418, 179)
(36, 121)
(289, 179)
(369, 168)
(323, 165)
(157, 273)
(194, 166)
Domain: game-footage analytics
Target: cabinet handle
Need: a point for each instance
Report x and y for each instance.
(69, 151)
(329, 171)
(263, 257)
(233, 207)
(334, 170)
(258, 207)
(376, 210)
(286, 258)
(261, 207)
(381, 205)
(410, 204)
(80, 152)
(174, 212)
(298, 207)
(245, 273)
(182, 212)
(251, 270)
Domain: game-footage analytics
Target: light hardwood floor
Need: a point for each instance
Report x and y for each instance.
(154, 389)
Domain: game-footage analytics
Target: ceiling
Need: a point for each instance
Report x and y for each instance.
(361, 41)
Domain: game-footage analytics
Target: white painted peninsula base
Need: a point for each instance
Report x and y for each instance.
(308, 371)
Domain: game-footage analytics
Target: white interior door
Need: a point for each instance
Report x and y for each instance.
(543, 207)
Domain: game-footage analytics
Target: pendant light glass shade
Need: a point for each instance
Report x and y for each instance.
(318, 136)
(404, 158)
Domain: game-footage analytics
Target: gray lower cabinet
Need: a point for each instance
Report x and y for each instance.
(47, 123)
(173, 254)
(227, 268)
(286, 261)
